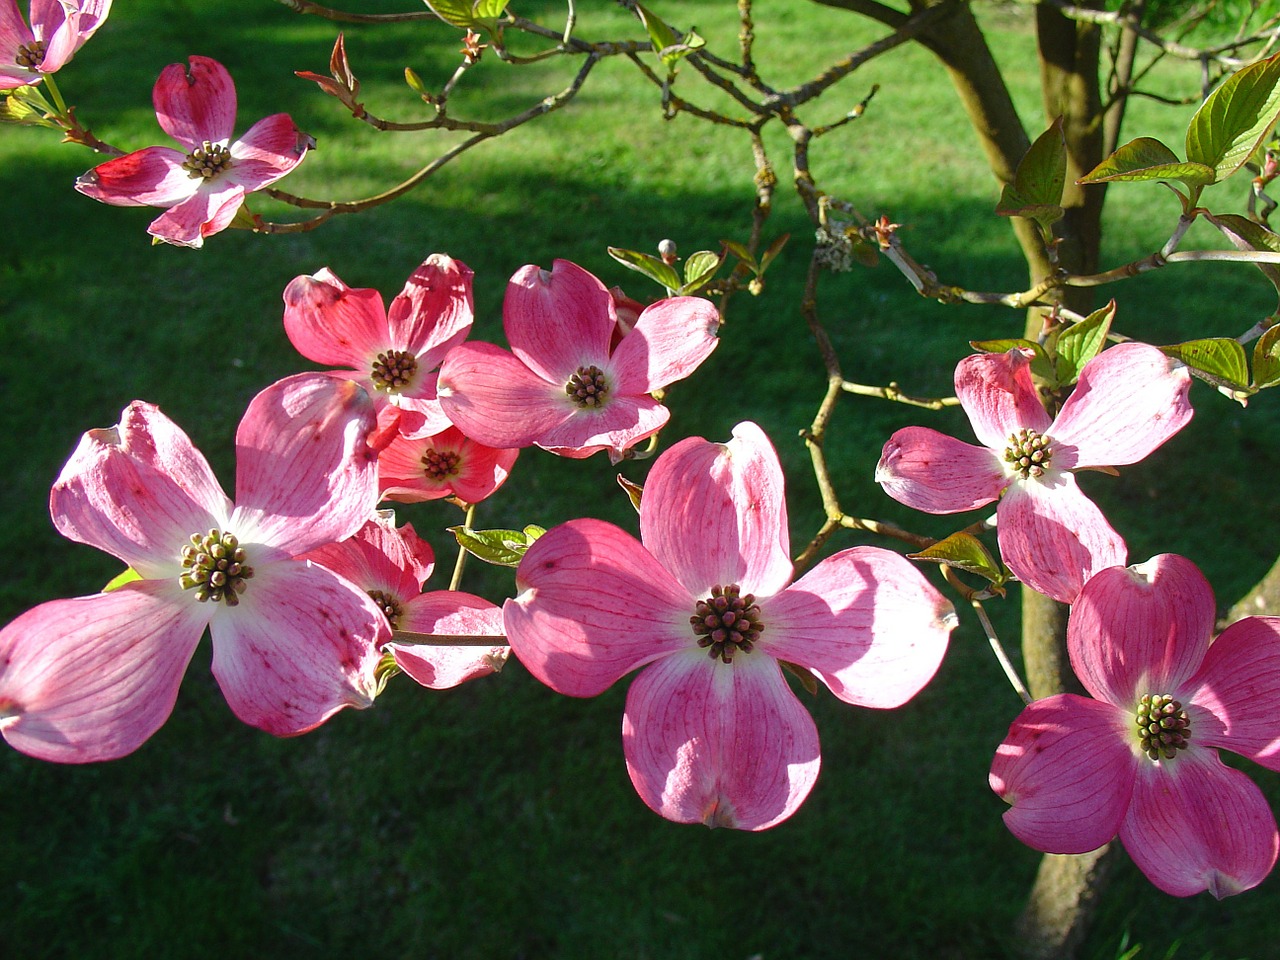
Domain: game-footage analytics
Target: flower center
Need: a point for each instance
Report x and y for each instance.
(207, 161)
(213, 565)
(393, 370)
(1028, 453)
(587, 387)
(439, 464)
(31, 55)
(1163, 726)
(389, 606)
(727, 622)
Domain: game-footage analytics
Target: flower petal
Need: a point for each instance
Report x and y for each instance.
(670, 340)
(727, 745)
(494, 398)
(331, 323)
(210, 210)
(152, 177)
(1053, 537)
(301, 645)
(450, 612)
(1140, 630)
(1067, 769)
(996, 391)
(92, 678)
(380, 557)
(617, 426)
(558, 320)
(866, 622)
(434, 311)
(268, 150)
(716, 513)
(1239, 686)
(933, 472)
(14, 31)
(138, 490)
(593, 605)
(304, 473)
(1130, 399)
(196, 104)
(1196, 824)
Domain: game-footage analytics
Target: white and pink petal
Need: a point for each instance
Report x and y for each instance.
(196, 103)
(208, 211)
(933, 472)
(331, 323)
(1235, 695)
(669, 341)
(269, 149)
(151, 177)
(996, 391)
(434, 311)
(558, 320)
(450, 613)
(492, 397)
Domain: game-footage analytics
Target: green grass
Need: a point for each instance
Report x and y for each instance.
(497, 820)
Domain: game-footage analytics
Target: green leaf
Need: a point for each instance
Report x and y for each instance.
(807, 679)
(633, 489)
(649, 265)
(772, 251)
(468, 14)
(1218, 360)
(964, 552)
(1036, 190)
(1148, 159)
(1266, 359)
(1230, 124)
(505, 548)
(666, 44)
(1081, 342)
(741, 252)
(699, 268)
(127, 576)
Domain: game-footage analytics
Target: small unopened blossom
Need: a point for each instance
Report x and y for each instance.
(1129, 400)
(1138, 757)
(204, 184)
(565, 386)
(58, 29)
(91, 678)
(705, 603)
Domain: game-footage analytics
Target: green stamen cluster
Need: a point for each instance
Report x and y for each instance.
(1163, 726)
(31, 55)
(587, 387)
(389, 606)
(207, 161)
(439, 464)
(393, 370)
(1028, 453)
(213, 565)
(727, 622)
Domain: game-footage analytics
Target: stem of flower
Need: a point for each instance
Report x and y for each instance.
(1003, 658)
(461, 563)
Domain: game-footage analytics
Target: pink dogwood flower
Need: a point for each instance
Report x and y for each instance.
(563, 387)
(392, 565)
(91, 678)
(393, 354)
(712, 732)
(414, 468)
(1140, 760)
(1129, 400)
(204, 184)
(58, 29)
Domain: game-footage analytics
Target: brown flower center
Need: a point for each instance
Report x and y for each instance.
(727, 622)
(588, 387)
(1029, 453)
(390, 607)
(1163, 726)
(393, 370)
(31, 55)
(440, 464)
(207, 161)
(213, 565)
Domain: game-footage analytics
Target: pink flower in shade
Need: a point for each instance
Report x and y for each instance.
(392, 566)
(393, 354)
(58, 29)
(414, 468)
(91, 678)
(712, 732)
(1140, 759)
(563, 386)
(204, 184)
(1129, 400)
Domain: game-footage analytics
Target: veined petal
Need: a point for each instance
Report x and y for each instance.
(716, 513)
(1238, 685)
(301, 645)
(411, 470)
(151, 177)
(57, 22)
(670, 340)
(197, 103)
(866, 622)
(450, 612)
(434, 311)
(727, 745)
(1067, 769)
(1131, 398)
(380, 557)
(1196, 824)
(558, 320)
(494, 398)
(620, 424)
(92, 678)
(138, 490)
(996, 391)
(331, 323)
(1140, 630)
(269, 149)
(304, 473)
(1053, 537)
(933, 472)
(14, 31)
(594, 605)
(208, 211)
